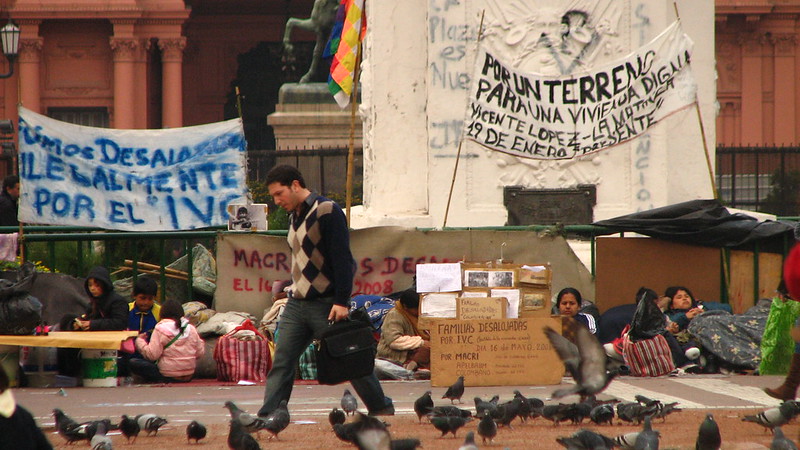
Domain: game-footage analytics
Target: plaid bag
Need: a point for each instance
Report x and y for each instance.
(648, 357)
(243, 360)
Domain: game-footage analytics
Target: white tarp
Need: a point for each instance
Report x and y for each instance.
(545, 117)
(132, 180)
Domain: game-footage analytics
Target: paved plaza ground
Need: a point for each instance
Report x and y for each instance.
(727, 397)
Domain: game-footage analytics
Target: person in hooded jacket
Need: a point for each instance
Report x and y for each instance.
(107, 311)
(172, 352)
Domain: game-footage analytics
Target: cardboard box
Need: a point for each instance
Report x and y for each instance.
(483, 308)
(494, 352)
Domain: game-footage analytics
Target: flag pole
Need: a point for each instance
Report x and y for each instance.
(351, 145)
(460, 142)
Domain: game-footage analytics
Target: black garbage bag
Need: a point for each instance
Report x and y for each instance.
(20, 312)
(648, 320)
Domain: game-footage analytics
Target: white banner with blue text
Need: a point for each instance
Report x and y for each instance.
(131, 180)
(547, 117)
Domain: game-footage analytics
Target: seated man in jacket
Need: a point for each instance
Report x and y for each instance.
(401, 341)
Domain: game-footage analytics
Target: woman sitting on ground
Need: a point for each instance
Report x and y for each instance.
(570, 303)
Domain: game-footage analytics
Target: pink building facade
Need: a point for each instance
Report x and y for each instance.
(758, 67)
(136, 63)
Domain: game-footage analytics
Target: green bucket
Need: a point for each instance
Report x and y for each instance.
(99, 368)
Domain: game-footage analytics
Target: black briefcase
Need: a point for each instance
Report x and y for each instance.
(345, 351)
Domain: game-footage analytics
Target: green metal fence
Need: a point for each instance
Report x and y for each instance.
(40, 243)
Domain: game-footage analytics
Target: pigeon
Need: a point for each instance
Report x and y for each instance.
(336, 416)
(602, 413)
(469, 442)
(69, 429)
(449, 410)
(524, 407)
(195, 430)
(249, 422)
(129, 428)
(780, 441)
(239, 439)
(423, 405)
(483, 407)
(455, 391)
(448, 424)
(277, 420)
(586, 439)
(536, 407)
(777, 416)
(507, 412)
(665, 409)
(349, 402)
(90, 428)
(647, 438)
(100, 441)
(555, 413)
(150, 423)
(646, 401)
(405, 444)
(487, 428)
(586, 362)
(627, 440)
(576, 412)
(347, 431)
(708, 437)
(634, 412)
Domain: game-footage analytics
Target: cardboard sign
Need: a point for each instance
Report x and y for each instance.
(494, 352)
(482, 308)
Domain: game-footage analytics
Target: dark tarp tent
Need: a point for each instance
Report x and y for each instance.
(703, 222)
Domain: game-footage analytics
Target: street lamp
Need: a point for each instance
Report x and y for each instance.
(9, 35)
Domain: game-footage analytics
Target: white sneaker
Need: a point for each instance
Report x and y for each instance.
(692, 353)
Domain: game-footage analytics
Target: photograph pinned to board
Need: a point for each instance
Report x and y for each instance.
(489, 278)
(251, 217)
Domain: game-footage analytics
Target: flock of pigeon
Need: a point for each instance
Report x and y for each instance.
(585, 361)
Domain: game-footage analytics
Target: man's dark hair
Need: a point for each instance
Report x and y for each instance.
(285, 174)
(146, 286)
(409, 298)
(10, 181)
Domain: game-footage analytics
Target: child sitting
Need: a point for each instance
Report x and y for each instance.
(107, 311)
(143, 315)
(172, 352)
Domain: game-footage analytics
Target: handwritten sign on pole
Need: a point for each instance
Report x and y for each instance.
(546, 117)
(132, 180)
(494, 352)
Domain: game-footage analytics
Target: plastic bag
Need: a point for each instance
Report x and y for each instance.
(20, 312)
(777, 345)
(648, 320)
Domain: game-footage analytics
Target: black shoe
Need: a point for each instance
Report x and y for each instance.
(387, 411)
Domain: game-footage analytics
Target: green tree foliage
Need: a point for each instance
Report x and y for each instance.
(784, 193)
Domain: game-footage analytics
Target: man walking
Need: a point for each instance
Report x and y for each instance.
(8, 201)
(322, 281)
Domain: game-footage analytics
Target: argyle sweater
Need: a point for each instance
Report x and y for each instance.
(322, 264)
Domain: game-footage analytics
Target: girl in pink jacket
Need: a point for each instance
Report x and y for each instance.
(172, 352)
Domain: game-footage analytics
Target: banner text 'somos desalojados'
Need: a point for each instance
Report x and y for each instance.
(135, 180)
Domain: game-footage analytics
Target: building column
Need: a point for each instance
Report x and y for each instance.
(125, 51)
(172, 81)
(29, 69)
(752, 87)
(785, 79)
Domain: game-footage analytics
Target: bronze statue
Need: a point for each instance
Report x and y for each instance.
(323, 14)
